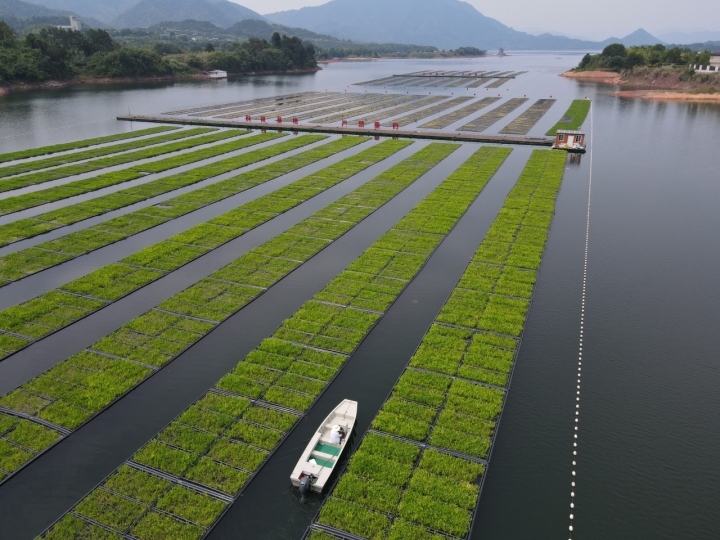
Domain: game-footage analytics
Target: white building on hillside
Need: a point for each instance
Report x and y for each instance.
(712, 67)
(74, 24)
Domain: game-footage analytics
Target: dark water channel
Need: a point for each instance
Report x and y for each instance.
(649, 437)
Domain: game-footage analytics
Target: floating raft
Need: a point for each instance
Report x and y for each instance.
(382, 132)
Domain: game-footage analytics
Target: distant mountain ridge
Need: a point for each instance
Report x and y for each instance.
(25, 10)
(443, 23)
(103, 10)
(19, 14)
(447, 24)
(219, 12)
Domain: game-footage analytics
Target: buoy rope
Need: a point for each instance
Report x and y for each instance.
(582, 331)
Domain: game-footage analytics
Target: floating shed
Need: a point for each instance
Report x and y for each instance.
(572, 141)
(217, 74)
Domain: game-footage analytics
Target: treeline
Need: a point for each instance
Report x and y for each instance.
(56, 54)
(617, 57)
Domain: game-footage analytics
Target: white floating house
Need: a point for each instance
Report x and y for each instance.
(74, 24)
(217, 74)
(712, 67)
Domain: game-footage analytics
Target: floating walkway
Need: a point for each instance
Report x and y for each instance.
(382, 132)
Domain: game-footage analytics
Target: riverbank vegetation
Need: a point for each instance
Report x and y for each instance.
(617, 57)
(65, 55)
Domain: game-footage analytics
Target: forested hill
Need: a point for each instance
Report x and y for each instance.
(219, 12)
(62, 55)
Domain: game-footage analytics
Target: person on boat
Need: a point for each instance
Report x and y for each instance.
(337, 434)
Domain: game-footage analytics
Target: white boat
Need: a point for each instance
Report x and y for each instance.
(319, 459)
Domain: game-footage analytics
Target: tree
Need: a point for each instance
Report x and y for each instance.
(674, 56)
(99, 40)
(634, 59)
(616, 63)
(209, 47)
(616, 49)
(276, 40)
(7, 35)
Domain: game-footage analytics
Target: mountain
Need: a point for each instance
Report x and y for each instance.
(680, 36)
(25, 10)
(148, 12)
(639, 37)
(103, 10)
(443, 23)
(262, 29)
(20, 15)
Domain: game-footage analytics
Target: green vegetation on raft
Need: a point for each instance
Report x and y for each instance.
(278, 371)
(29, 166)
(574, 118)
(452, 393)
(77, 145)
(80, 187)
(81, 386)
(51, 311)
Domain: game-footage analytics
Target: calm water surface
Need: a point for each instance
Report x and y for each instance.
(649, 438)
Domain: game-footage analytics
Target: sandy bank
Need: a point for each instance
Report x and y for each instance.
(656, 84)
(606, 77)
(656, 95)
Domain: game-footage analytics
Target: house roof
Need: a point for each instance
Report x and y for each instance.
(570, 132)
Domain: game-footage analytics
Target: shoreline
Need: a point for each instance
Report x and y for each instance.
(9, 87)
(662, 87)
(370, 58)
(668, 95)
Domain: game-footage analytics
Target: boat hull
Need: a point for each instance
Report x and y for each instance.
(322, 454)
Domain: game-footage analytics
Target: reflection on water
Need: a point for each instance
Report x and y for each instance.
(574, 159)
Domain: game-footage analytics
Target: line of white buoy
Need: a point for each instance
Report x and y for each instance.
(582, 335)
(56, 128)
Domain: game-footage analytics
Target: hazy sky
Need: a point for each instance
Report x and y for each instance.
(591, 18)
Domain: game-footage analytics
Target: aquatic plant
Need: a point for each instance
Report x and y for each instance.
(321, 324)
(443, 400)
(66, 159)
(77, 145)
(574, 118)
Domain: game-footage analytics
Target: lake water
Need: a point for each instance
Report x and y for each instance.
(649, 437)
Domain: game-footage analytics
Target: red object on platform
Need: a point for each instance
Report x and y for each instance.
(361, 123)
(279, 119)
(248, 118)
(344, 123)
(295, 121)
(396, 125)
(377, 125)
(263, 119)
